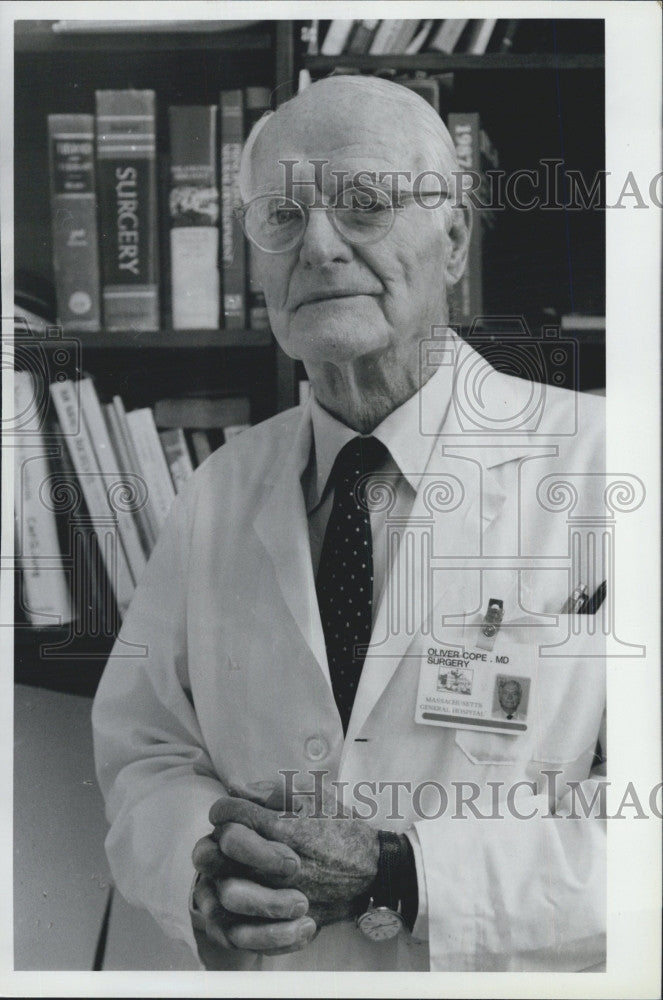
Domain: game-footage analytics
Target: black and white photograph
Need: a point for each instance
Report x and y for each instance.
(330, 498)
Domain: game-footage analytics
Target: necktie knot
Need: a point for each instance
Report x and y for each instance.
(359, 457)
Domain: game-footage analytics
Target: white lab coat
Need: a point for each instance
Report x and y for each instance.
(219, 676)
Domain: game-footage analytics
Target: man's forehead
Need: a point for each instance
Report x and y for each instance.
(350, 138)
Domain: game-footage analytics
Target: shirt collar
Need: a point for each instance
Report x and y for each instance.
(400, 432)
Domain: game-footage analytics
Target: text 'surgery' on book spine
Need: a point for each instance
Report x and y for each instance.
(126, 169)
(74, 221)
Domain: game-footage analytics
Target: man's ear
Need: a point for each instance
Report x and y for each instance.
(458, 231)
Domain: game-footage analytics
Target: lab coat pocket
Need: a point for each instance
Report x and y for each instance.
(493, 748)
(570, 692)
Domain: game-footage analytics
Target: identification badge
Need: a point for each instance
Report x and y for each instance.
(479, 685)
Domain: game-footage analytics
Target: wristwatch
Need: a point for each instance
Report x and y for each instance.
(382, 918)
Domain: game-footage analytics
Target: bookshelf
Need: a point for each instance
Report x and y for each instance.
(545, 102)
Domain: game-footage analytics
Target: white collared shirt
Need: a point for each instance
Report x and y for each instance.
(409, 454)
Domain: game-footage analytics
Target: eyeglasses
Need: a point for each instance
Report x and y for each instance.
(362, 216)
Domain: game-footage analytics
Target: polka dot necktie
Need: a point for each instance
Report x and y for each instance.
(345, 575)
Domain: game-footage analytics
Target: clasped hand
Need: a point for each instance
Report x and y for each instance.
(268, 880)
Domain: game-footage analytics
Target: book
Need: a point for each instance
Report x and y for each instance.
(419, 39)
(147, 444)
(404, 36)
(194, 215)
(256, 103)
(336, 37)
(233, 242)
(202, 412)
(93, 600)
(177, 455)
(582, 321)
(479, 36)
(385, 36)
(361, 37)
(74, 222)
(127, 460)
(126, 171)
(44, 590)
(201, 445)
(448, 34)
(94, 487)
(475, 154)
(122, 489)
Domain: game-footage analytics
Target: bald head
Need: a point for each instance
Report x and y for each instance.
(335, 108)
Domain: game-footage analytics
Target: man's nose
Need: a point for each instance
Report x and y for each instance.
(322, 244)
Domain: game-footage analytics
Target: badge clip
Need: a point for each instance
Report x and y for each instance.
(491, 624)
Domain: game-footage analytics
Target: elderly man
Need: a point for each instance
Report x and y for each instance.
(272, 708)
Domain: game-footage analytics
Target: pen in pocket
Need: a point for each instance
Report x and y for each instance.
(576, 601)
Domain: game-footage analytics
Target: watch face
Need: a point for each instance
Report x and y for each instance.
(380, 924)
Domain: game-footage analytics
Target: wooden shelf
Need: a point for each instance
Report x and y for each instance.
(440, 62)
(38, 36)
(162, 340)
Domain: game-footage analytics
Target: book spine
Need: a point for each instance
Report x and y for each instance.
(110, 467)
(74, 221)
(194, 215)
(362, 36)
(336, 37)
(233, 244)
(467, 295)
(92, 484)
(448, 35)
(153, 462)
(256, 103)
(118, 430)
(127, 187)
(94, 605)
(201, 446)
(46, 599)
(177, 455)
(385, 36)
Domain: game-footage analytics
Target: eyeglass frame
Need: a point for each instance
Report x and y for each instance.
(240, 213)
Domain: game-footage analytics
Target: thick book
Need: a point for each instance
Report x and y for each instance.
(177, 455)
(233, 242)
(127, 193)
(94, 486)
(74, 222)
(121, 488)
(45, 593)
(194, 215)
(161, 491)
(256, 103)
(475, 155)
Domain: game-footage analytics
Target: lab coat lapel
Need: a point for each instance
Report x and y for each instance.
(282, 526)
(459, 463)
